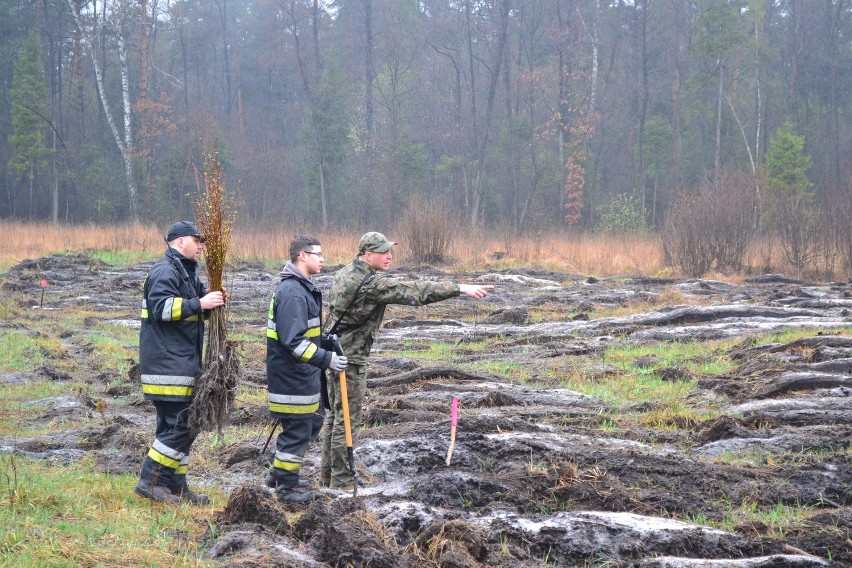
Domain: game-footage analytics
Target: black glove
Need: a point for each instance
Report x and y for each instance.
(326, 342)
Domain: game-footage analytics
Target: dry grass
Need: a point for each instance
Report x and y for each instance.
(593, 255)
(30, 240)
(22, 240)
(477, 250)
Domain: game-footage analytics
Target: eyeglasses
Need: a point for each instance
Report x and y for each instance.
(312, 252)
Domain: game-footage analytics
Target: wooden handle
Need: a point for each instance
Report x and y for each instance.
(344, 398)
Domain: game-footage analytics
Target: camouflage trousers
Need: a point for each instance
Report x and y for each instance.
(334, 467)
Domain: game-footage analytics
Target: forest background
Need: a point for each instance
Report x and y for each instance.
(715, 123)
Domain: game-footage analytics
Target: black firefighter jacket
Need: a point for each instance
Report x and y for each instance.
(294, 358)
(172, 333)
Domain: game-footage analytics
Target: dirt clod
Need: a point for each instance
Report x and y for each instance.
(253, 504)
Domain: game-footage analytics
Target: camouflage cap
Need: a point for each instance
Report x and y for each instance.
(183, 229)
(374, 242)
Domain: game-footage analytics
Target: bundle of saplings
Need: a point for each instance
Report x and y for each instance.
(216, 389)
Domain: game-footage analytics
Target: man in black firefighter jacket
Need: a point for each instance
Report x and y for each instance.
(295, 359)
(173, 305)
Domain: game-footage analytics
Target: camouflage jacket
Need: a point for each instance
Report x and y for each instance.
(360, 324)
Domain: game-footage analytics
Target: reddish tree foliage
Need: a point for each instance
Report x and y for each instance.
(575, 169)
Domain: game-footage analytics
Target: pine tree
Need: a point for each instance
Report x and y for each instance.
(791, 211)
(30, 103)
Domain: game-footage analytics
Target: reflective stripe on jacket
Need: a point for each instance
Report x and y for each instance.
(294, 358)
(172, 333)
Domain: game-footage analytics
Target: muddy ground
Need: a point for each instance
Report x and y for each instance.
(538, 475)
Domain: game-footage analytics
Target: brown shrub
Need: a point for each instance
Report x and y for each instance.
(712, 227)
(837, 222)
(428, 229)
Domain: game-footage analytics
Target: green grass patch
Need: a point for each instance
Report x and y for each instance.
(116, 347)
(517, 372)
(459, 354)
(249, 337)
(795, 334)
(24, 351)
(74, 516)
(121, 258)
(803, 458)
(6, 264)
(697, 357)
(632, 388)
(19, 404)
(7, 309)
(251, 394)
(442, 351)
(20, 393)
(639, 384)
(666, 400)
(775, 521)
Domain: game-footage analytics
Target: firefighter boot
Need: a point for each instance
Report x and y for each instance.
(270, 481)
(155, 492)
(190, 496)
(293, 496)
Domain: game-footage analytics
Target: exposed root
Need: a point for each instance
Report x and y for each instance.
(215, 390)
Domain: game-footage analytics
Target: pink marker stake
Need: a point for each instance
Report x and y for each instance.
(454, 422)
(43, 288)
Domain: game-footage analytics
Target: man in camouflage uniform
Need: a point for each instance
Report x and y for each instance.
(357, 301)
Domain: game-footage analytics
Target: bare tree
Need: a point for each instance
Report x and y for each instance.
(502, 13)
(369, 69)
(118, 17)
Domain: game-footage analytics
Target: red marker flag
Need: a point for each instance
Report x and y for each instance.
(454, 421)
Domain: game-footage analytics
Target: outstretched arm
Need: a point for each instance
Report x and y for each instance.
(474, 291)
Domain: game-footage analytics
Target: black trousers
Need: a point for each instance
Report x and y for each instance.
(168, 458)
(291, 445)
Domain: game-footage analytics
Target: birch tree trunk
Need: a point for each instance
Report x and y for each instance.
(143, 50)
(54, 194)
(369, 71)
(643, 106)
(595, 42)
(127, 148)
(125, 143)
(717, 162)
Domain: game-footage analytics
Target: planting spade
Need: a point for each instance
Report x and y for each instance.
(347, 427)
